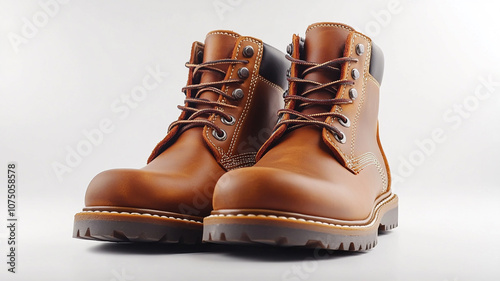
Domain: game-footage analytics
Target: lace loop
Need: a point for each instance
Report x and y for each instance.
(297, 118)
(215, 86)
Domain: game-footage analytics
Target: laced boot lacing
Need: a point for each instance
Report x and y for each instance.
(215, 87)
(300, 119)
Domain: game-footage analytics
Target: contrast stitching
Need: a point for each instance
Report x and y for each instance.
(218, 148)
(338, 110)
(223, 33)
(270, 83)
(374, 80)
(372, 222)
(363, 161)
(362, 100)
(329, 25)
(251, 89)
(141, 214)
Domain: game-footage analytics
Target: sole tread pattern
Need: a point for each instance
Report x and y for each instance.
(353, 246)
(127, 228)
(292, 232)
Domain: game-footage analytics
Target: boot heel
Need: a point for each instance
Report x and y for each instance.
(389, 220)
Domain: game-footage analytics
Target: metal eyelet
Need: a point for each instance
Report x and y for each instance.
(243, 73)
(248, 51)
(355, 73)
(360, 49)
(346, 124)
(229, 122)
(289, 49)
(341, 139)
(238, 94)
(285, 93)
(219, 138)
(353, 94)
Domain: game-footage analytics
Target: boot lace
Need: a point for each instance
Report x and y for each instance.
(299, 119)
(215, 87)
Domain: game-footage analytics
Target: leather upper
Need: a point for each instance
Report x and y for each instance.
(173, 181)
(306, 170)
(184, 167)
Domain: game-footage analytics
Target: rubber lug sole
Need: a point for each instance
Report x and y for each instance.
(136, 227)
(280, 230)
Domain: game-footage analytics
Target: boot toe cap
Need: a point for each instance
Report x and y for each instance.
(279, 190)
(146, 190)
(117, 187)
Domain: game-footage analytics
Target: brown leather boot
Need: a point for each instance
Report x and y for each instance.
(234, 89)
(322, 179)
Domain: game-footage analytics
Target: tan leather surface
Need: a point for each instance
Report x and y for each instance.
(361, 135)
(299, 175)
(184, 167)
(323, 44)
(255, 114)
(180, 180)
(306, 170)
(218, 45)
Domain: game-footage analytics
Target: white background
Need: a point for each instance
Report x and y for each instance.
(85, 56)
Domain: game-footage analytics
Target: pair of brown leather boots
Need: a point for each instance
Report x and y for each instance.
(272, 149)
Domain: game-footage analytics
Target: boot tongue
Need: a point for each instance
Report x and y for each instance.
(323, 42)
(218, 45)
